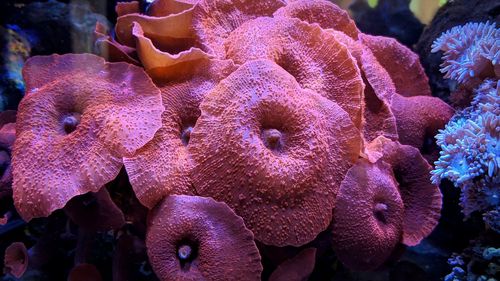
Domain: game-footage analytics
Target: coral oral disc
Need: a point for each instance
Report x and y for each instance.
(70, 122)
(184, 252)
(379, 210)
(273, 139)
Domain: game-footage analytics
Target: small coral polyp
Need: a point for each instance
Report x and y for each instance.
(282, 111)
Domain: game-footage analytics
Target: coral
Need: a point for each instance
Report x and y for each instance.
(470, 141)
(107, 47)
(197, 238)
(470, 150)
(297, 268)
(479, 262)
(78, 119)
(471, 52)
(324, 13)
(162, 166)
(384, 200)
(16, 259)
(163, 66)
(165, 8)
(7, 138)
(282, 111)
(368, 216)
(453, 13)
(259, 159)
(422, 199)
(314, 57)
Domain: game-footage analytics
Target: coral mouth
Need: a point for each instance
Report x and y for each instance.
(186, 135)
(273, 139)
(380, 210)
(70, 122)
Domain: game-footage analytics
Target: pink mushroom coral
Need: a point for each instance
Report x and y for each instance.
(384, 200)
(168, 7)
(368, 216)
(274, 152)
(162, 166)
(161, 65)
(322, 12)
(418, 116)
(16, 259)
(80, 116)
(314, 57)
(197, 238)
(7, 138)
(110, 49)
(168, 42)
(422, 199)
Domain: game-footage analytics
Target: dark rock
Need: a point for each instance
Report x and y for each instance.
(57, 27)
(391, 18)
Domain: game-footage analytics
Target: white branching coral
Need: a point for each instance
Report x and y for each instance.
(470, 51)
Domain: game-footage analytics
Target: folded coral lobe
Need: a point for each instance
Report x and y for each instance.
(80, 116)
(273, 151)
(317, 60)
(368, 216)
(162, 166)
(322, 12)
(422, 199)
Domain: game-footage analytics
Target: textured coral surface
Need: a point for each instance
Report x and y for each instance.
(255, 137)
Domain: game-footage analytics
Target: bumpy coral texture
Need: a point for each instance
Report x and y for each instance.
(277, 157)
(79, 118)
(368, 216)
(324, 13)
(163, 165)
(422, 199)
(197, 238)
(314, 57)
(262, 105)
(384, 200)
(7, 138)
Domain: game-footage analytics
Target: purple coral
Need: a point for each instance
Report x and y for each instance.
(470, 51)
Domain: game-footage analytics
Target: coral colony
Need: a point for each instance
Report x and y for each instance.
(245, 126)
(470, 155)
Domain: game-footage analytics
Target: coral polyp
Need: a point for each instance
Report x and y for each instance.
(470, 150)
(470, 51)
